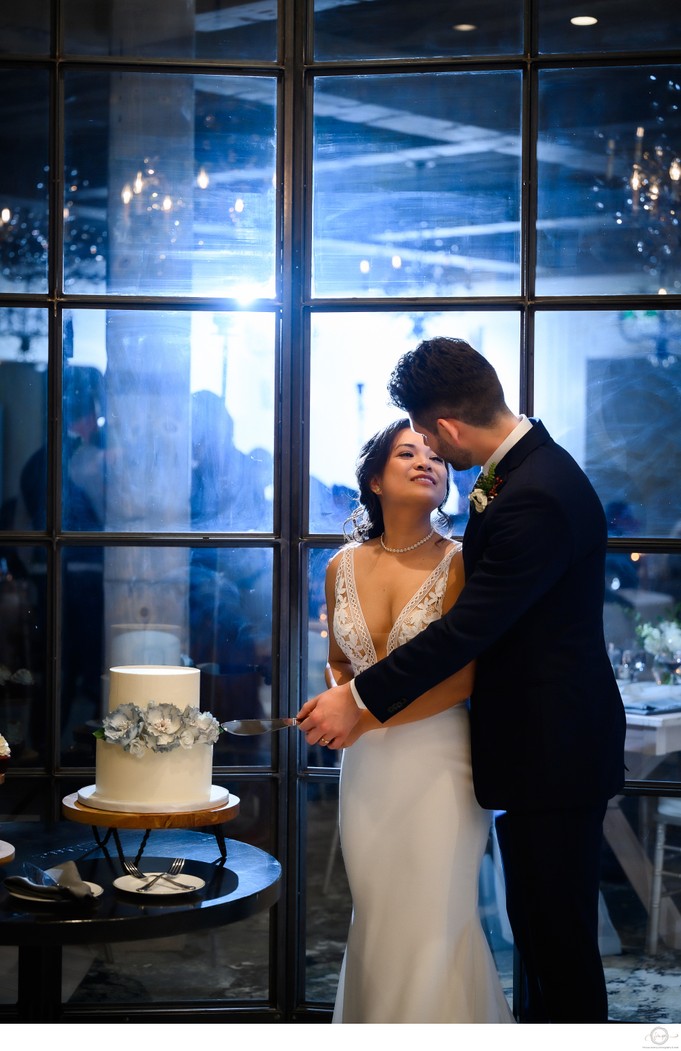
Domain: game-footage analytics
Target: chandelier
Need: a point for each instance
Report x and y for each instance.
(150, 193)
(648, 171)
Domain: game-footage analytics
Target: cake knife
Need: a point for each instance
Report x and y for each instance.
(247, 727)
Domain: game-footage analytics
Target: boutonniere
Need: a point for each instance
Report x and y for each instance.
(485, 489)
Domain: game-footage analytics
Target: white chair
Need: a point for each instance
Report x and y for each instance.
(668, 813)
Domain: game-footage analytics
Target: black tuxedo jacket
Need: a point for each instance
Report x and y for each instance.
(547, 722)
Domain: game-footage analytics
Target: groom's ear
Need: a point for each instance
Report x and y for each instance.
(449, 428)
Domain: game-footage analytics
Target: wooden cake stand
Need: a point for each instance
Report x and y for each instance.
(213, 817)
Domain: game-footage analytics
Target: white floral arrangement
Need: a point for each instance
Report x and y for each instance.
(158, 728)
(664, 637)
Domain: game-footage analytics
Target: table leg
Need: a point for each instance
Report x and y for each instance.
(39, 983)
(220, 839)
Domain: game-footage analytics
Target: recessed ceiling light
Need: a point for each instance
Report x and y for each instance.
(464, 27)
(583, 20)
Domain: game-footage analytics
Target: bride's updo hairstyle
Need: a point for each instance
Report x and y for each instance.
(366, 521)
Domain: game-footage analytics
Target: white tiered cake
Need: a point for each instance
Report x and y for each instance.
(155, 752)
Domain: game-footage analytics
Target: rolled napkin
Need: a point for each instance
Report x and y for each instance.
(57, 884)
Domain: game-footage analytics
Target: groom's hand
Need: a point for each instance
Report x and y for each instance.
(328, 718)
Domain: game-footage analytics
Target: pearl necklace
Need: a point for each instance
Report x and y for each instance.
(402, 550)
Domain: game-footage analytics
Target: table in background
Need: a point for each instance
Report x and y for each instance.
(650, 738)
(245, 882)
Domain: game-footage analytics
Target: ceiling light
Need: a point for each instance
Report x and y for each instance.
(464, 27)
(583, 20)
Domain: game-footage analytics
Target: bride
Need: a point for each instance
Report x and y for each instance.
(412, 833)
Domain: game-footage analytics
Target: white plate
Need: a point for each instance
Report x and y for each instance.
(26, 895)
(132, 885)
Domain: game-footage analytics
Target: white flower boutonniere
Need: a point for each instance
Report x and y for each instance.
(485, 489)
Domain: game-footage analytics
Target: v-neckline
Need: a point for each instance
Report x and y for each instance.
(352, 585)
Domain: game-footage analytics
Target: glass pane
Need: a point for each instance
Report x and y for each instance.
(317, 644)
(23, 335)
(607, 25)
(204, 607)
(25, 28)
(353, 355)
(436, 212)
(642, 622)
(168, 421)
(24, 106)
(328, 905)
(23, 647)
(402, 29)
(23, 430)
(607, 212)
(607, 387)
(171, 29)
(170, 184)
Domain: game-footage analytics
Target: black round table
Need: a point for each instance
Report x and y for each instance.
(245, 881)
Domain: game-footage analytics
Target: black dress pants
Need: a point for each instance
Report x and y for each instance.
(551, 865)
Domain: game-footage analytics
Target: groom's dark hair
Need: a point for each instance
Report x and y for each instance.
(446, 378)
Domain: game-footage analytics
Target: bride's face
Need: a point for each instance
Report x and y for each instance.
(413, 471)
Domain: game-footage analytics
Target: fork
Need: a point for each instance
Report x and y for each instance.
(176, 867)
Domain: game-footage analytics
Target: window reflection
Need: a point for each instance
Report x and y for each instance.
(608, 188)
(318, 642)
(205, 607)
(168, 421)
(23, 642)
(608, 395)
(352, 356)
(170, 184)
(24, 182)
(171, 29)
(620, 26)
(328, 895)
(401, 29)
(417, 185)
(23, 480)
(25, 29)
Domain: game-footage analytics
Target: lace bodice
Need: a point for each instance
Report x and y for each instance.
(349, 625)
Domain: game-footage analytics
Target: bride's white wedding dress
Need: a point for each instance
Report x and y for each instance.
(413, 837)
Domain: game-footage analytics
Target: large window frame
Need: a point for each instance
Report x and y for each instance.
(292, 771)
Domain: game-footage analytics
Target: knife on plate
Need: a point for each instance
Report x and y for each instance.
(248, 727)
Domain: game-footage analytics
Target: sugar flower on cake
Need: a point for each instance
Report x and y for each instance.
(164, 724)
(158, 728)
(199, 728)
(123, 725)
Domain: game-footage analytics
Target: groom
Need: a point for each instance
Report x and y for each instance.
(547, 723)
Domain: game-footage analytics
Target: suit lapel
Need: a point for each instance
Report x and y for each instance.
(530, 441)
